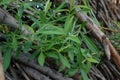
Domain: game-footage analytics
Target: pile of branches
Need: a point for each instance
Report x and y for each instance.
(24, 68)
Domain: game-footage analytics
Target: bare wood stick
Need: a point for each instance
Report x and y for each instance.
(25, 59)
(36, 75)
(100, 36)
(23, 73)
(8, 77)
(1, 68)
(13, 73)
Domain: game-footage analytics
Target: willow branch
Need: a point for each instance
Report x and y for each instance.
(108, 47)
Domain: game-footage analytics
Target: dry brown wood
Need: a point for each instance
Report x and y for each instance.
(36, 75)
(115, 71)
(107, 29)
(22, 72)
(100, 36)
(94, 70)
(25, 59)
(1, 68)
(13, 74)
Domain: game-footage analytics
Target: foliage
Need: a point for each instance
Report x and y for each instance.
(56, 33)
(115, 36)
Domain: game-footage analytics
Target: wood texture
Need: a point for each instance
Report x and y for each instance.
(1, 69)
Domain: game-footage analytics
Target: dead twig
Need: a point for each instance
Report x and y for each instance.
(107, 29)
(23, 73)
(13, 73)
(36, 75)
(24, 59)
(8, 77)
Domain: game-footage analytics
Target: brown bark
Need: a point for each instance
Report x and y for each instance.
(25, 59)
(1, 69)
(100, 36)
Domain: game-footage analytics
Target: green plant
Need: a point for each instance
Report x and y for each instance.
(115, 36)
(57, 34)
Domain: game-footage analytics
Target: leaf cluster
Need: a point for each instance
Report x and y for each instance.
(56, 34)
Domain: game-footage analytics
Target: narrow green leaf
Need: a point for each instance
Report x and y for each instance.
(47, 6)
(14, 43)
(60, 6)
(71, 4)
(51, 32)
(52, 54)
(89, 43)
(83, 24)
(71, 56)
(64, 61)
(27, 46)
(64, 47)
(36, 22)
(71, 72)
(29, 4)
(86, 67)
(7, 58)
(34, 54)
(20, 11)
(41, 59)
(51, 29)
(61, 68)
(85, 2)
(79, 57)
(2, 2)
(74, 39)
(85, 8)
(30, 29)
(43, 17)
(84, 75)
(68, 24)
(92, 60)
